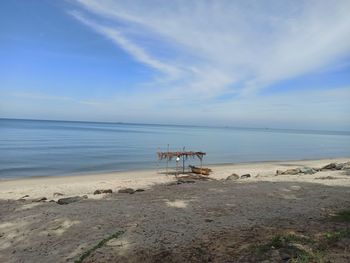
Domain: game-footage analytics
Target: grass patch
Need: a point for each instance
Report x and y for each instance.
(100, 244)
(299, 255)
(282, 241)
(302, 258)
(332, 237)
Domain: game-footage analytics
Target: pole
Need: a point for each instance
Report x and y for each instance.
(183, 161)
(167, 161)
(177, 166)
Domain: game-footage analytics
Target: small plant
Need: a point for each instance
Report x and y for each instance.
(100, 244)
(332, 237)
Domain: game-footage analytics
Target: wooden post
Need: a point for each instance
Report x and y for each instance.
(177, 167)
(183, 161)
(167, 161)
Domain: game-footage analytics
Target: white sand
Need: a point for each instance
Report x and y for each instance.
(86, 184)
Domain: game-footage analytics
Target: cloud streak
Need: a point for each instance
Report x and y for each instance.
(224, 46)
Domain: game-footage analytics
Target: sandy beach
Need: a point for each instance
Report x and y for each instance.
(37, 187)
(216, 220)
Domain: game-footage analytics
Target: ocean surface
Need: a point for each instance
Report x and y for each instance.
(46, 148)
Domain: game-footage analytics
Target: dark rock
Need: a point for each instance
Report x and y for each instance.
(346, 166)
(331, 166)
(245, 176)
(185, 181)
(57, 194)
(279, 172)
(232, 177)
(139, 190)
(292, 171)
(126, 191)
(103, 191)
(342, 166)
(69, 200)
(40, 199)
(307, 170)
(339, 166)
(52, 201)
(25, 196)
(209, 220)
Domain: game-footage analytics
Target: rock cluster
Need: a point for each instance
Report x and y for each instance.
(309, 170)
(336, 166)
(130, 190)
(40, 199)
(103, 191)
(234, 177)
(69, 200)
(126, 191)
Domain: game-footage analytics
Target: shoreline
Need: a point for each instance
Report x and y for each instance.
(86, 184)
(140, 170)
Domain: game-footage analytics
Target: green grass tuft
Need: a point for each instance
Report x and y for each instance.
(100, 244)
(332, 237)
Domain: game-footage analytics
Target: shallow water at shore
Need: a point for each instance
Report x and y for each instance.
(45, 148)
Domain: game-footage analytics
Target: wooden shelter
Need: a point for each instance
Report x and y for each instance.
(184, 155)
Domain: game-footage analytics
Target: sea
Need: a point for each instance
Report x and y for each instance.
(30, 148)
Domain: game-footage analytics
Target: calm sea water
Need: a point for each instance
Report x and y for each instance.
(44, 148)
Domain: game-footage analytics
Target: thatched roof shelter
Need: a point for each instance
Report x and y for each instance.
(184, 154)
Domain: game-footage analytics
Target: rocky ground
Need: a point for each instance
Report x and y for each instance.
(234, 220)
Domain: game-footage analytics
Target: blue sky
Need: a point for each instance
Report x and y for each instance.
(236, 63)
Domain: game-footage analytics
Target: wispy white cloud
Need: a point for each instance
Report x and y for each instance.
(224, 46)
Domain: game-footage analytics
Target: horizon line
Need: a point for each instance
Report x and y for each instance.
(179, 125)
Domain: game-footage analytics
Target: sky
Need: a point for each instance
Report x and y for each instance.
(271, 63)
